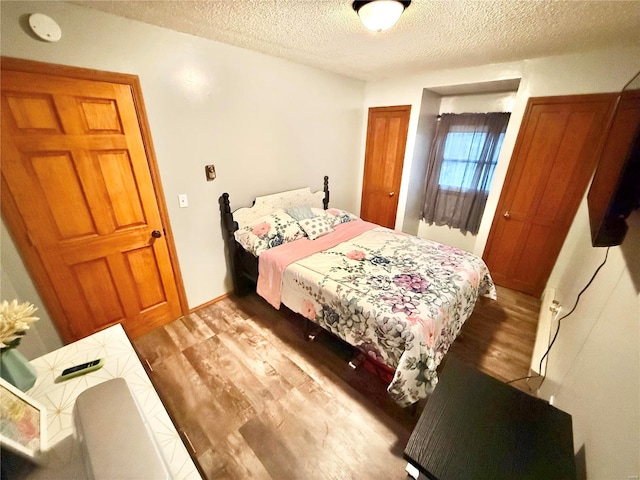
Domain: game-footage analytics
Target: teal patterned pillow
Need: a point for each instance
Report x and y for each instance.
(300, 213)
(315, 227)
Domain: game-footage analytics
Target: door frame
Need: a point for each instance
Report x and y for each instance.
(14, 221)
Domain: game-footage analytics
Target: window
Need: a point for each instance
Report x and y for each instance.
(460, 168)
(461, 160)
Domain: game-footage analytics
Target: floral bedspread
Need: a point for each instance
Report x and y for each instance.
(398, 298)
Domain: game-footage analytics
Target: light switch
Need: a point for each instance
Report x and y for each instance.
(183, 201)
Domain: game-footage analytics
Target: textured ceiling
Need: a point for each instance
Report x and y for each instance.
(431, 34)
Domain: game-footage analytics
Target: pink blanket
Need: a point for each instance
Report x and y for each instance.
(274, 261)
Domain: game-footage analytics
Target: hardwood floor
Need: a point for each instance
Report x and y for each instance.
(257, 400)
(498, 338)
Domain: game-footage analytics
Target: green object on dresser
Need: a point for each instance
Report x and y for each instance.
(16, 369)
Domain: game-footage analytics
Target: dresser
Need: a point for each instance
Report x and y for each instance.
(64, 460)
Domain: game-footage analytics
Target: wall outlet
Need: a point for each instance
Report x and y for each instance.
(183, 201)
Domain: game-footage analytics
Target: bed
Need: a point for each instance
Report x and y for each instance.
(399, 299)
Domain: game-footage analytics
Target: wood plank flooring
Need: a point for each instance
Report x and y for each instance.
(257, 400)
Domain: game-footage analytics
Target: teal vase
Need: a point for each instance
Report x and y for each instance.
(16, 369)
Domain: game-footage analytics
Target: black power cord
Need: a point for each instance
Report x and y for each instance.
(555, 336)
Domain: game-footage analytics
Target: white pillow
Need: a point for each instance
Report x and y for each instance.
(315, 227)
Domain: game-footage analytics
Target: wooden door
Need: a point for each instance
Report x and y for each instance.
(553, 159)
(79, 198)
(384, 157)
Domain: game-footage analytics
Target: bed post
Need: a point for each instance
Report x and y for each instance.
(325, 200)
(229, 227)
(227, 217)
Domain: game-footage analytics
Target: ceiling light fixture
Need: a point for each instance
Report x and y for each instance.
(380, 15)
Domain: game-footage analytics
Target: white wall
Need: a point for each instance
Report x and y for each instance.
(425, 131)
(15, 282)
(594, 369)
(480, 103)
(267, 124)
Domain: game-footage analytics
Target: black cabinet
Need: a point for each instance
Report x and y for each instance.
(475, 427)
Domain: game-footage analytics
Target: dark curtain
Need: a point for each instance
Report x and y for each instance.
(461, 206)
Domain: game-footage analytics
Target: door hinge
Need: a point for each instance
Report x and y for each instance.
(188, 441)
(30, 239)
(146, 361)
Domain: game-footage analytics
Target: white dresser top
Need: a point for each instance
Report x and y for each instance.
(112, 344)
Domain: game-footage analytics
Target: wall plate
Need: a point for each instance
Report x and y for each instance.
(210, 172)
(45, 27)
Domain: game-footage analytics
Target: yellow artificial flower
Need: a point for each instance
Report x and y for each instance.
(15, 320)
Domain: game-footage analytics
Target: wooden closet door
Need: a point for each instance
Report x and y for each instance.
(554, 157)
(79, 198)
(384, 157)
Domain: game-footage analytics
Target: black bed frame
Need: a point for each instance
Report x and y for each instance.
(242, 264)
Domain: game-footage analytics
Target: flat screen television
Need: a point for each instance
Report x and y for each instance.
(615, 188)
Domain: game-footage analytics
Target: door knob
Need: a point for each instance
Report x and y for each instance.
(156, 234)
(506, 214)
(391, 194)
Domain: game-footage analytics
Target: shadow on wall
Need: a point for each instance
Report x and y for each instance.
(630, 248)
(26, 28)
(581, 464)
